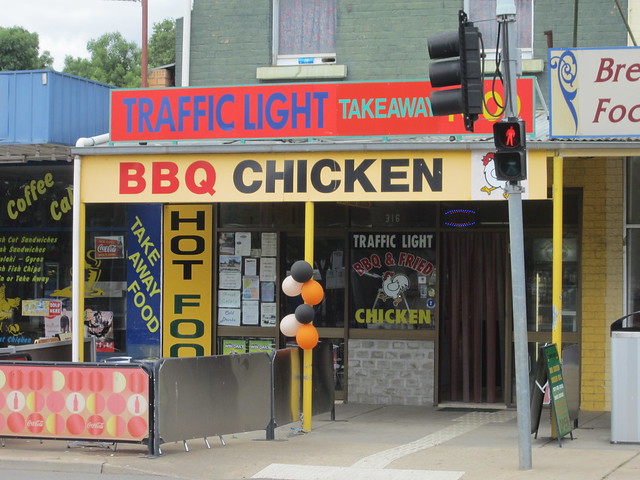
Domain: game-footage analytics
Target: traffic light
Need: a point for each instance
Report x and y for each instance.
(510, 159)
(462, 50)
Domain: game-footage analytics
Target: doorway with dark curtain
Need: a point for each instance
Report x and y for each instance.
(472, 326)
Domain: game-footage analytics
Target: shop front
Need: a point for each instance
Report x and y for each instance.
(404, 249)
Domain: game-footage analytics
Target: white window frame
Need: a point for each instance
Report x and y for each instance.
(489, 47)
(316, 58)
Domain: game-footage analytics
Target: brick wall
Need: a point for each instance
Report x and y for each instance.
(602, 269)
(391, 372)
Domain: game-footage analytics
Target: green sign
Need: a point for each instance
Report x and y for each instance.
(556, 389)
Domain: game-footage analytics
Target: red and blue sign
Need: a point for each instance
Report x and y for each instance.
(296, 111)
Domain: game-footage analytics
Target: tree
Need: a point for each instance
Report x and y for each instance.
(162, 44)
(113, 61)
(19, 50)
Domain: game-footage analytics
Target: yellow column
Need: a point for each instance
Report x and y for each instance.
(307, 360)
(556, 280)
(79, 313)
(556, 291)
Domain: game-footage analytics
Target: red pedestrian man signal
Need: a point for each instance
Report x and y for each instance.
(510, 158)
(511, 133)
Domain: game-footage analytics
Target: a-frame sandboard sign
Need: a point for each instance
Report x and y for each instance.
(549, 370)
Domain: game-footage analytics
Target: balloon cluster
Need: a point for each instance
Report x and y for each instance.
(299, 324)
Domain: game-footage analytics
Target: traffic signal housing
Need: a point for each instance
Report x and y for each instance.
(459, 55)
(510, 158)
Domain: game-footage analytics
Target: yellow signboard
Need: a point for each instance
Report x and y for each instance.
(188, 277)
(300, 177)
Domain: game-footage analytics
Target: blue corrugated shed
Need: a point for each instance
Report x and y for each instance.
(48, 107)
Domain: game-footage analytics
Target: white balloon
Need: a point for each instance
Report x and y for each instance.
(289, 325)
(290, 287)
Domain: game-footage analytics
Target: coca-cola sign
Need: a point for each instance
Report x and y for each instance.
(109, 247)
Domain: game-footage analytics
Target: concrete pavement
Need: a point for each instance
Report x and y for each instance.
(364, 442)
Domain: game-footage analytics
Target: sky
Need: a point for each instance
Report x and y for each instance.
(65, 26)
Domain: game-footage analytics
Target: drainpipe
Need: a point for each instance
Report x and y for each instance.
(77, 264)
(186, 44)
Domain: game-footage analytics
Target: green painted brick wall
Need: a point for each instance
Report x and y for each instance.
(376, 39)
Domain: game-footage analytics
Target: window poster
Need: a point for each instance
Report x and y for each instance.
(243, 244)
(268, 269)
(229, 317)
(250, 312)
(229, 298)
(247, 278)
(393, 278)
(269, 244)
(233, 346)
(251, 287)
(267, 314)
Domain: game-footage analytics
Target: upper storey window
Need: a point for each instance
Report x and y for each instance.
(483, 15)
(304, 32)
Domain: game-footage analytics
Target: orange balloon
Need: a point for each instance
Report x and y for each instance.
(312, 292)
(307, 336)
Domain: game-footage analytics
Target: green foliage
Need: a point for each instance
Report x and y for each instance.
(162, 44)
(113, 61)
(19, 50)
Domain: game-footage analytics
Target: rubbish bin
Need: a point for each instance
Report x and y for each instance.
(625, 379)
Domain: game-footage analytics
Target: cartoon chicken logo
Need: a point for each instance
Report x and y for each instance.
(491, 182)
(393, 285)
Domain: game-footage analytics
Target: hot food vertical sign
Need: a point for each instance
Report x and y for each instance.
(188, 265)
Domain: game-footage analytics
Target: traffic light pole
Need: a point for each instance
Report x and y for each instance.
(514, 189)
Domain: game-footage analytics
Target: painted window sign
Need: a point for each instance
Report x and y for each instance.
(290, 111)
(393, 278)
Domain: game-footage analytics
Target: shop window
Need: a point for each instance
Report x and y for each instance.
(633, 234)
(328, 270)
(247, 279)
(483, 14)
(393, 214)
(304, 32)
(392, 279)
(539, 268)
(281, 215)
(471, 215)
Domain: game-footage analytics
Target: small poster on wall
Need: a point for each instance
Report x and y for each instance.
(229, 317)
(250, 312)
(250, 287)
(267, 315)
(269, 244)
(243, 243)
(229, 298)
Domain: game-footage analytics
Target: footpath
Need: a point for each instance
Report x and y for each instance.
(368, 442)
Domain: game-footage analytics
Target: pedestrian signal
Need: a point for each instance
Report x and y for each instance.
(510, 158)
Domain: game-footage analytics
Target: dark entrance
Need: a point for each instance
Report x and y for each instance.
(472, 328)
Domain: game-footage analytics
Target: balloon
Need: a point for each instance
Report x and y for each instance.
(307, 336)
(304, 313)
(312, 292)
(301, 271)
(290, 287)
(289, 325)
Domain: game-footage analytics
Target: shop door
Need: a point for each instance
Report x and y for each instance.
(472, 327)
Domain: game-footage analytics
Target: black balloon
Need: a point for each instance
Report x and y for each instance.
(301, 271)
(304, 313)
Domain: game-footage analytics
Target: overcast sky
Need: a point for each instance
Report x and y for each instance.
(65, 26)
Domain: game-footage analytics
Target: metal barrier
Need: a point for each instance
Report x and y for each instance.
(160, 401)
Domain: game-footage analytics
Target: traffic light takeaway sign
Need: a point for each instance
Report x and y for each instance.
(510, 158)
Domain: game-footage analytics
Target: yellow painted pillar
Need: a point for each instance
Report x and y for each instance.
(556, 291)
(307, 359)
(556, 274)
(81, 274)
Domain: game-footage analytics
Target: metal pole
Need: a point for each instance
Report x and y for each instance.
(145, 21)
(514, 189)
